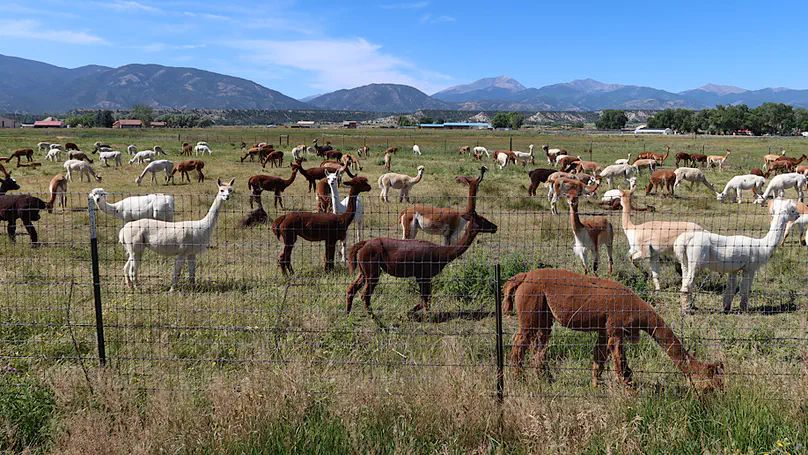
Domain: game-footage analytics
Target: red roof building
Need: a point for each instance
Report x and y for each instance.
(158, 124)
(127, 124)
(48, 124)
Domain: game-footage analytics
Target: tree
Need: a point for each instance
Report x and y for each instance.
(426, 120)
(404, 120)
(515, 120)
(143, 113)
(611, 119)
(775, 118)
(500, 120)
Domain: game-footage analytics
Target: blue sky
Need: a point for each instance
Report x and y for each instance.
(303, 48)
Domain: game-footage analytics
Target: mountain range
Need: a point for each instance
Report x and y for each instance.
(36, 87)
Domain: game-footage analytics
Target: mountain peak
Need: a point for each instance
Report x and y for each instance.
(721, 89)
(590, 85)
(486, 88)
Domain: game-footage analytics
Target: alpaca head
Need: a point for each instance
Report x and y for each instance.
(98, 194)
(785, 208)
(333, 179)
(358, 185)
(545, 147)
(225, 190)
(572, 199)
(9, 184)
(420, 170)
(706, 376)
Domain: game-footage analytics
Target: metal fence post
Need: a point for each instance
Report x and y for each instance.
(510, 143)
(500, 348)
(99, 317)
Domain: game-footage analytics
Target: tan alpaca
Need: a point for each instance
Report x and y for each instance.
(401, 182)
(57, 189)
(564, 185)
(387, 159)
(718, 160)
(589, 235)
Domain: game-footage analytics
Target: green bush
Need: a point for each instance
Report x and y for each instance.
(26, 409)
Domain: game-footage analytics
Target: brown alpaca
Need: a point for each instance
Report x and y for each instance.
(323, 193)
(259, 183)
(566, 160)
(660, 158)
(801, 169)
(335, 155)
(448, 223)
(363, 149)
(71, 146)
(645, 156)
(332, 166)
(563, 185)
(757, 171)
(465, 149)
(664, 178)
(779, 167)
(698, 158)
(257, 216)
(275, 158)
(794, 162)
(589, 235)
(317, 227)
(718, 160)
(537, 177)
(312, 175)
(586, 166)
(27, 153)
(187, 149)
(387, 159)
(410, 258)
(683, 156)
(185, 166)
(391, 150)
(57, 189)
(76, 155)
(351, 161)
(590, 304)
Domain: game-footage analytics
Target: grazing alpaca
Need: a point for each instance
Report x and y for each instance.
(275, 159)
(693, 176)
(57, 146)
(258, 183)
(153, 206)
(416, 150)
(317, 227)
(742, 182)
(503, 157)
(71, 146)
(552, 154)
(8, 184)
(778, 185)
(401, 182)
(106, 156)
(185, 239)
(550, 183)
(27, 153)
(759, 172)
(537, 177)
(387, 159)
(411, 258)
(154, 167)
(698, 158)
(565, 161)
(591, 304)
(143, 156)
(392, 150)
(186, 166)
(778, 167)
(98, 146)
(731, 254)
(363, 149)
(187, 149)
(683, 157)
(158, 150)
(202, 149)
(333, 155)
(448, 223)
(57, 189)
(131, 149)
(465, 150)
(74, 155)
(53, 155)
(585, 166)
(351, 161)
(589, 235)
(618, 170)
(661, 179)
(249, 153)
(527, 157)
(718, 160)
(623, 160)
(27, 209)
(649, 164)
(768, 159)
(341, 207)
(478, 151)
(43, 146)
(82, 168)
(653, 239)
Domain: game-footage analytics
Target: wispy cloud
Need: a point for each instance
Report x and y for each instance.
(128, 6)
(411, 5)
(31, 29)
(336, 64)
(429, 19)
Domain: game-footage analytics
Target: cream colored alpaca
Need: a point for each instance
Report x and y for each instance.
(718, 160)
(401, 182)
(82, 168)
(649, 164)
(623, 160)
(154, 167)
(185, 239)
(693, 176)
(57, 189)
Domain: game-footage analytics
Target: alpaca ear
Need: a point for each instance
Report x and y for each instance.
(232, 181)
(219, 181)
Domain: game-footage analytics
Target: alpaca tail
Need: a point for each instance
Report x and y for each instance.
(276, 226)
(509, 289)
(352, 254)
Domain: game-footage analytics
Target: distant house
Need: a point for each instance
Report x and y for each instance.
(305, 124)
(127, 124)
(644, 130)
(431, 125)
(158, 124)
(49, 122)
(467, 126)
(350, 124)
(6, 122)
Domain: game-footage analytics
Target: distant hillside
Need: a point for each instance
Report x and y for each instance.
(30, 86)
(491, 88)
(379, 98)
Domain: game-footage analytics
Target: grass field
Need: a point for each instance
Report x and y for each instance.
(249, 362)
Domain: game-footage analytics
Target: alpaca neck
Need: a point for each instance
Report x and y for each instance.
(626, 203)
(664, 336)
(775, 234)
(335, 203)
(291, 179)
(109, 209)
(416, 179)
(575, 220)
(347, 217)
(452, 252)
(213, 214)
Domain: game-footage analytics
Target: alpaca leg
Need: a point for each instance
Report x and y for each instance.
(746, 289)
(609, 251)
(618, 351)
(596, 259)
(730, 290)
(580, 252)
(655, 270)
(328, 259)
(601, 356)
(134, 268)
(12, 229)
(370, 284)
(126, 270)
(425, 285)
(351, 291)
(191, 260)
(177, 270)
(286, 259)
(788, 229)
(278, 199)
(342, 250)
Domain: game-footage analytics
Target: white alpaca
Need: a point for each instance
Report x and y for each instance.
(201, 149)
(742, 182)
(143, 157)
(82, 168)
(154, 167)
(528, 157)
(185, 240)
(503, 160)
(113, 155)
(779, 183)
(132, 149)
(480, 151)
(297, 152)
(158, 150)
(618, 170)
(154, 206)
(53, 155)
(205, 144)
(341, 207)
(623, 160)
(43, 146)
(801, 223)
(57, 146)
(401, 182)
(693, 176)
(416, 150)
(649, 164)
(731, 254)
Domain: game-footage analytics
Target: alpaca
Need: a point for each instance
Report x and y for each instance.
(552, 154)
(27, 153)
(731, 254)
(341, 207)
(480, 150)
(8, 184)
(698, 158)
(363, 149)
(563, 185)
(718, 160)
(43, 146)
(683, 157)
(778, 167)
(778, 185)
(410, 258)
(661, 179)
(57, 189)
(653, 239)
(317, 227)
(586, 166)
(335, 155)
(249, 153)
(78, 155)
(158, 150)
(742, 182)
(769, 158)
(202, 149)
(352, 162)
(649, 164)
(321, 149)
(27, 209)
(759, 172)
(154, 206)
(186, 166)
(589, 235)
(387, 160)
(143, 156)
(298, 151)
(185, 239)
(416, 150)
(527, 157)
(323, 195)
(256, 217)
(53, 155)
(57, 146)
(801, 223)
(187, 150)
(154, 167)
(591, 304)
(258, 183)
(618, 170)
(564, 161)
(550, 183)
(537, 177)
(98, 146)
(71, 146)
(623, 160)
(115, 156)
(448, 223)
(82, 168)
(401, 182)
(693, 176)
(312, 174)
(131, 149)
(275, 159)
(465, 150)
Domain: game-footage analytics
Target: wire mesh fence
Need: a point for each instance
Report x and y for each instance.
(242, 309)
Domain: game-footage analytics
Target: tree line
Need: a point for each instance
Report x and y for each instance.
(771, 118)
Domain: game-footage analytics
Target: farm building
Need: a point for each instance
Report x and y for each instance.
(458, 126)
(644, 130)
(6, 122)
(127, 124)
(49, 122)
(350, 124)
(157, 124)
(305, 124)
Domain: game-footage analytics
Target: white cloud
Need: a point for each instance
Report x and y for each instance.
(412, 5)
(31, 29)
(337, 64)
(428, 19)
(128, 6)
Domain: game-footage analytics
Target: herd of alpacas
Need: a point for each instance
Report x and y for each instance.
(578, 301)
